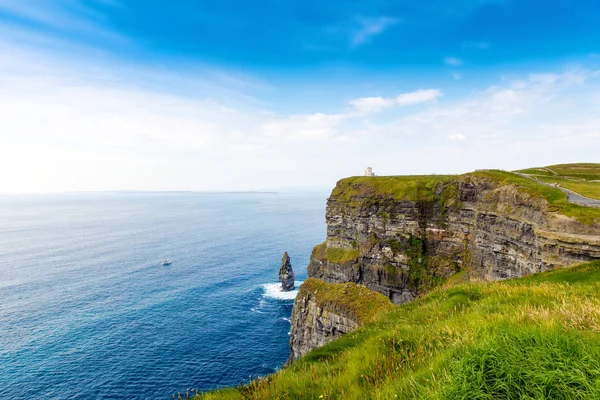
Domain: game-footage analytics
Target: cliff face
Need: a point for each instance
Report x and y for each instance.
(314, 326)
(401, 246)
(402, 236)
(324, 312)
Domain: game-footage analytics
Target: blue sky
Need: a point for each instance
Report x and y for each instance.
(274, 94)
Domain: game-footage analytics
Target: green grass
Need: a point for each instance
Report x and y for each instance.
(531, 338)
(349, 299)
(360, 191)
(557, 200)
(581, 178)
(583, 171)
(584, 188)
(340, 255)
(410, 188)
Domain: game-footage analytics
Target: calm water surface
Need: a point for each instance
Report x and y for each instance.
(87, 310)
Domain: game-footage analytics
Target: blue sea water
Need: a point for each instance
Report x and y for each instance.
(88, 311)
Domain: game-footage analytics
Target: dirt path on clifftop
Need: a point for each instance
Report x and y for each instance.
(572, 197)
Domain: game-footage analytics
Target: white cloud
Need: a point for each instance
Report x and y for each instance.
(311, 126)
(72, 16)
(65, 126)
(457, 136)
(453, 61)
(370, 27)
(368, 105)
(419, 96)
(371, 104)
(512, 125)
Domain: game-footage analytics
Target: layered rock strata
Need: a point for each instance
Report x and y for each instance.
(402, 236)
(324, 312)
(402, 248)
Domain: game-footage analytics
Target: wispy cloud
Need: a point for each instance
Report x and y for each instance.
(316, 126)
(419, 96)
(369, 28)
(371, 104)
(367, 105)
(74, 17)
(453, 61)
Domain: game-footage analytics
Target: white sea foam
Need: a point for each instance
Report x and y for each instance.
(273, 291)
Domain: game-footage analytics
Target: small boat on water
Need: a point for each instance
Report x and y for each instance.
(167, 262)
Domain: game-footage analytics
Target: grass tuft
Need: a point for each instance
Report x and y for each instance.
(340, 255)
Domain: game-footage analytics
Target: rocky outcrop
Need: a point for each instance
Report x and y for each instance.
(286, 274)
(314, 326)
(401, 246)
(324, 312)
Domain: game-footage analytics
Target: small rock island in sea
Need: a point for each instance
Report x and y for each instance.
(286, 274)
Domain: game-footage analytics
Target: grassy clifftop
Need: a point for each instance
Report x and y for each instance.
(580, 172)
(355, 301)
(410, 188)
(556, 199)
(425, 187)
(581, 178)
(535, 337)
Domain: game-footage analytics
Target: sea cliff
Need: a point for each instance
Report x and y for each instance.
(420, 231)
(324, 312)
(403, 236)
(409, 296)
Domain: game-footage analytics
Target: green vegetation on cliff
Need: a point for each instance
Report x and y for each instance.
(352, 300)
(536, 337)
(581, 178)
(410, 188)
(557, 200)
(441, 189)
(580, 172)
(340, 256)
(584, 188)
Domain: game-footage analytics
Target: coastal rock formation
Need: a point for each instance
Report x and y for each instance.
(314, 326)
(403, 245)
(324, 312)
(403, 236)
(286, 274)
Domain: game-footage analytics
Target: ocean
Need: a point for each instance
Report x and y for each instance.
(88, 311)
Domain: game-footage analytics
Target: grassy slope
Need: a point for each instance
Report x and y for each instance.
(581, 178)
(581, 171)
(535, 338)
(585, 188)
(556, 199)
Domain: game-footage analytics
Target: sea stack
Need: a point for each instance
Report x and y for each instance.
(286, 274)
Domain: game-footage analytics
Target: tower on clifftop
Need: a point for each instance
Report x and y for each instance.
(369, 172)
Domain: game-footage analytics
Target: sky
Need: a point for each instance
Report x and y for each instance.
(99, 95)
